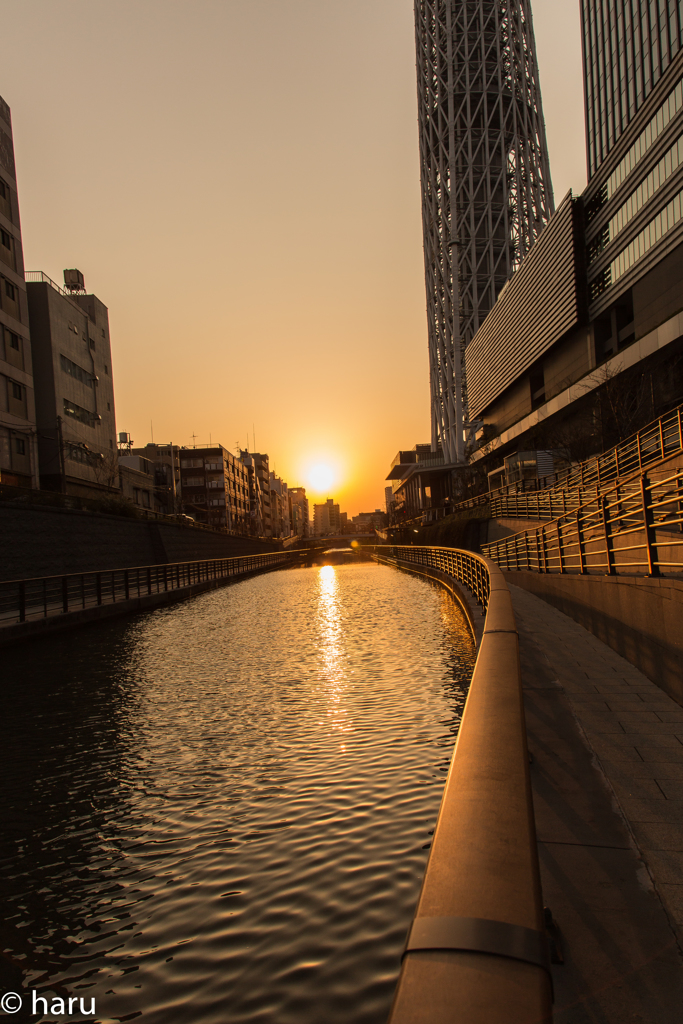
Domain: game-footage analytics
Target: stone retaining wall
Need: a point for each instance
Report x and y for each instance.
(43, 541)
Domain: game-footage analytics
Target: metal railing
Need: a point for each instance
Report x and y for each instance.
(633, 526)
(47, 596)
(464, 566)
(477, 941)
(657, 441)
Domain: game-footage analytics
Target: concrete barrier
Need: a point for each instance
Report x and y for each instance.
(476, 952)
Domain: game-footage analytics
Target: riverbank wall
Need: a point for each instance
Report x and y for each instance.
(46, 541)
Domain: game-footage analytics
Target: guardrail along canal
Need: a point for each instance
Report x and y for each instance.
(220, 811)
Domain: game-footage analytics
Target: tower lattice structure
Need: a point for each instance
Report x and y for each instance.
(486, 189)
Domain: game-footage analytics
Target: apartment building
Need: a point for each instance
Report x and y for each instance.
(74, 386)
(279, 507)
(165, 459)
(18, 442)
(326, 519)
(257, 464)
(299, 511)
(215, 488)
(136, 481)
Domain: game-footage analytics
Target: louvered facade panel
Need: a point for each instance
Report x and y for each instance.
(539, 305)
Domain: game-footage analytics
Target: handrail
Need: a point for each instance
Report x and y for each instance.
(658, 440)
(629, 528)
(46, 596)
(476, 950)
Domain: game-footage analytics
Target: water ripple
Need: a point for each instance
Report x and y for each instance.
(220, 812)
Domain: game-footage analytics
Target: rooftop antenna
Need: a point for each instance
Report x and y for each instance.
(151, 427)
(194, 438)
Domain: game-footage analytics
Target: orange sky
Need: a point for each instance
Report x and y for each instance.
(239, 183)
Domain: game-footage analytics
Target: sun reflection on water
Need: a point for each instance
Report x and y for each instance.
(331, 649)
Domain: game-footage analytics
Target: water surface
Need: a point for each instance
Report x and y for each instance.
(220, 812)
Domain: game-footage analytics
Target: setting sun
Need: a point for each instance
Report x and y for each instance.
(321, 478)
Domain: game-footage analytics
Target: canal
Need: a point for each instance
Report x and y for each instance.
(220, 812)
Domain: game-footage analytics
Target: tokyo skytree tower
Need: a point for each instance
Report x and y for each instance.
(486, 189)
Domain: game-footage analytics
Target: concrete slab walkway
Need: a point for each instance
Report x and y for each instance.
(607, 772)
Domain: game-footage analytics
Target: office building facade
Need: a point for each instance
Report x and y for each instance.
(597, 304)
(628, 46)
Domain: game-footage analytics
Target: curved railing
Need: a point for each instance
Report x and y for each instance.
(476, 950)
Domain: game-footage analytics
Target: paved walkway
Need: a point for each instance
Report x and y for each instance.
(607, 772)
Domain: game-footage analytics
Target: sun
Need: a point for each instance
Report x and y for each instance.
(320, 478)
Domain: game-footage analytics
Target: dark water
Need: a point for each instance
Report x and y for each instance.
(220, 812)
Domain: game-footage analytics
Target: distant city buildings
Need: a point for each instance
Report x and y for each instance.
(58, 417)
(366, 522)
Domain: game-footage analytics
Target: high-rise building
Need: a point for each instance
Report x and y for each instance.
(18, 448)
(627, 47)
(486, 190)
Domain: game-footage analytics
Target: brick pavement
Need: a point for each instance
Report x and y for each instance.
(607, 772)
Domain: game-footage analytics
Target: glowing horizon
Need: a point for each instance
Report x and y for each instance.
(253, 278)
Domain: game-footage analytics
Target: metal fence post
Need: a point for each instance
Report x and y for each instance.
(609, 541)
(579, 541)
(648, 527)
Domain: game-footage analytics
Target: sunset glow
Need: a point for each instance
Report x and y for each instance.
(321, 479)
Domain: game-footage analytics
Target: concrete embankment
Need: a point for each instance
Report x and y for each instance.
(46, 541)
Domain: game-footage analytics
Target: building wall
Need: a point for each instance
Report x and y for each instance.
(136, 480)
(166, 461)
(541, 303)
(659, 295)
(74, 390)
(18, 446)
